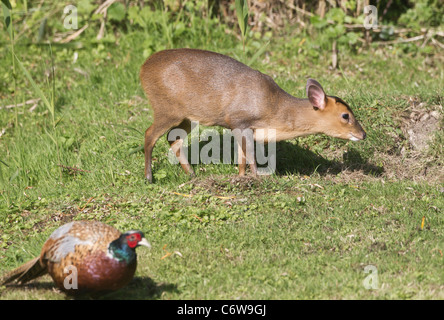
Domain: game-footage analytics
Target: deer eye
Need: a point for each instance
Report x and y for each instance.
(345, 116)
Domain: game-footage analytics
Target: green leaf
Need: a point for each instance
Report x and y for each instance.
(4, 162)
(50, 136)
(134, 150)
(136, 15)
(14, 176)
(116, 12)
(6, 8)
(85, 6)
(159, 175)
(35, 86)
(352, 37)
(179, 28)
(245, 9)
(238, 5)
(242, 15)
(318, 22)
(335, 14)
(335, 31)
(7, 4)
(257, 54)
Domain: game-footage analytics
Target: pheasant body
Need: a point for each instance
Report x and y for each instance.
(85, 256)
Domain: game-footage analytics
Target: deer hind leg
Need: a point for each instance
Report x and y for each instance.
(176, 144)
(245, 144)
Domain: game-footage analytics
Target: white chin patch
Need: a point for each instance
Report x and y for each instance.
(353, 138)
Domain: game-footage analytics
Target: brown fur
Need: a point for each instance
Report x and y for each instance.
(185, 85)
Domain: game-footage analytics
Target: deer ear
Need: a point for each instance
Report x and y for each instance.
(316, 94)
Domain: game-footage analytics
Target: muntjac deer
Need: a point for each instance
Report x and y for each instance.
(185, 85)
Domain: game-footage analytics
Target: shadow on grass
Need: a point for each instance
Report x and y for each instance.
(34, 285)
(140, 288)
(293, 159)
(296, 160)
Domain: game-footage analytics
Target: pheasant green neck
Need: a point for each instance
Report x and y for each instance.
(120, 251)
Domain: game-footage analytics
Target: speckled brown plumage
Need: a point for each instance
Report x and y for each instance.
(98, 256)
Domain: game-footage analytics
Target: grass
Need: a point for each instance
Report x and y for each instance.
(307, 232)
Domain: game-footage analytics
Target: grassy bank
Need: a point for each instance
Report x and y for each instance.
(307, 232)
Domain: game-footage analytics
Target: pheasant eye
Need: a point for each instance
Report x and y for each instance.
(345, 116)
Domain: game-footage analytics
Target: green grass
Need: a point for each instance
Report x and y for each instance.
(306, 232)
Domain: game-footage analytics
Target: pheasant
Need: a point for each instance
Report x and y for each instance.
(84, 257)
